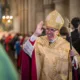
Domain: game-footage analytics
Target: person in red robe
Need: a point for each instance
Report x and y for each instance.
(7, 40)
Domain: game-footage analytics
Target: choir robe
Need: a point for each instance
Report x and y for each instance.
(48, 61)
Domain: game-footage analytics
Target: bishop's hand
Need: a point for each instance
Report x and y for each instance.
(39, 29)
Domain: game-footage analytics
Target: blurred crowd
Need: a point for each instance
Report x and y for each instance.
(13, 45)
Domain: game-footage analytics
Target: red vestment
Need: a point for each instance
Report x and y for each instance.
(28, 68)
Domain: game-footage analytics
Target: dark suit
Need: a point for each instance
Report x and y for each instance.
(76, 40)
(75, 35)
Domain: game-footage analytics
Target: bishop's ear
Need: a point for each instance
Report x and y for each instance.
(57, 32)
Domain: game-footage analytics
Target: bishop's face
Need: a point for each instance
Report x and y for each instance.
(51, 33)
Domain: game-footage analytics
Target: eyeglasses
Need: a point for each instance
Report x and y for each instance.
(50, 29)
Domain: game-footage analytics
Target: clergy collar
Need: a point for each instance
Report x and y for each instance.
(52, 41)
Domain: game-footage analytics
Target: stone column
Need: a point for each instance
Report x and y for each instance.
(74, 8)
(48, 7)
(14, 5)
(26, 16)
(16, 24)
(63, 7)
(31, 16)
(39, 11)
(21, 16)
(47, 10)
(27, 12)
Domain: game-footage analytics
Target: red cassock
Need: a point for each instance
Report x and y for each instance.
(28, 67)
(19, 61)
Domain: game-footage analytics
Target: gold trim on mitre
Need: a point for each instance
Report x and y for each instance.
(54, 20)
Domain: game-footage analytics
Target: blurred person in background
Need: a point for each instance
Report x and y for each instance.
(7, 69)
(75, 35)
(17, 50)
(3, 40)
(7, 41)
(64, 33)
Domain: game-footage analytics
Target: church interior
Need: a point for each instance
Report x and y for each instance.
(27, 13)
(19, 18)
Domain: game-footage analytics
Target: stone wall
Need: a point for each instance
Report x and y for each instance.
(31, 12)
